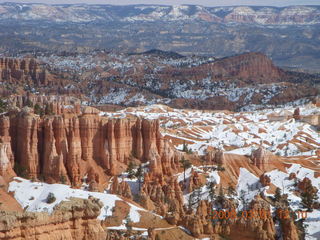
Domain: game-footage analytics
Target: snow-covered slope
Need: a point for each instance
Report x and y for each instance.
(32, 197)
(239, 133)
(281, 180)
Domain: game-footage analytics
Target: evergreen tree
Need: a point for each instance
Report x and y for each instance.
(211, 190)
(277, 195)
(50, 198)
(128, 224)
(63, 179)
(29, 103)
(139, 175)
(231, 190)
(243, 199)
(221, 191)
(20, 170)
(197, 195)
(192, 199)
(309, 196)
(185, 147)
(185, 164)
(3, 106)
(48, 110)
(220, 198)
(130, 170)
(220, 168)
(38, 109)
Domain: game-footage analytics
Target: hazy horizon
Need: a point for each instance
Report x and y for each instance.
(178, 2)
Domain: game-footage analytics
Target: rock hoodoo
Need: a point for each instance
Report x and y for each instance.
(25, 70)
(260, 158)
(69, 146)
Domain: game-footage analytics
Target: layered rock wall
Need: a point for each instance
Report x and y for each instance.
(76, 219)
(68, 147)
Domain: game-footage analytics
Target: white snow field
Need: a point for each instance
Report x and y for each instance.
(32, 196)
(237, 133)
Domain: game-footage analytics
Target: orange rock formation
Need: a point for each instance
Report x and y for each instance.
(76, 219)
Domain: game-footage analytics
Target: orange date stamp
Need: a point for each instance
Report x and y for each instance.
(232, 214)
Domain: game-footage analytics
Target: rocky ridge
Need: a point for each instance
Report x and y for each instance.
(81, 13)
(239, 82)
(75, 219)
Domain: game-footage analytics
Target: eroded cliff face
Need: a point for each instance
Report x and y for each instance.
(75, 219)
(6, 155)
(22, 70)
(68, 147)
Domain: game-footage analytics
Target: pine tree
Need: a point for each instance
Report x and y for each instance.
(185, 147)
(197, 195)
(128, 224)
(277, 195)
(48, 110)
(130, 170)
(220, 168)
(139, 175)
(20, 170)
(211, 189)
(221, 191)
(50, 198)
(3, 106)
(63, 179)
(29, 103)
(221, 197)
(38, 109)
(243, 199)
(185, 164)
(192, 199)
(231, 190)
(309, 196)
